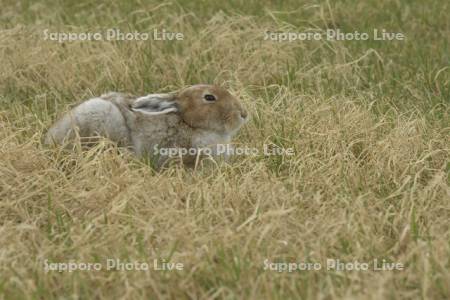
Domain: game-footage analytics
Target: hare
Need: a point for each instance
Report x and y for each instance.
(195, 118)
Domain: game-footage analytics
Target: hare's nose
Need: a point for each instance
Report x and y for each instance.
(244, 114)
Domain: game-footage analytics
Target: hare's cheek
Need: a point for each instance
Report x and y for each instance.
(232, 124)
(190, 118)
(196, 120)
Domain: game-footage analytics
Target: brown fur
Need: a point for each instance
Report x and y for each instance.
(196, 123)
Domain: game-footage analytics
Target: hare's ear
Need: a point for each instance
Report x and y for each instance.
(155, 104)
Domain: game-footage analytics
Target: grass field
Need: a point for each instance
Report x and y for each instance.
(368, 121)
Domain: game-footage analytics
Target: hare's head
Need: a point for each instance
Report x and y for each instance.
(208, 107)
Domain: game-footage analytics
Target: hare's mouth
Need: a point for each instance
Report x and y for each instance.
(238, 125)
(243, 119)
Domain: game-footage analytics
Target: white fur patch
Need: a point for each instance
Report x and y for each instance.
(210, 138)
(212, 141)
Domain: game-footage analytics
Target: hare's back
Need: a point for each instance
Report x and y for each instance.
(94, 117)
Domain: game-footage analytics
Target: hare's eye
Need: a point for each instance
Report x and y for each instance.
(209, 97)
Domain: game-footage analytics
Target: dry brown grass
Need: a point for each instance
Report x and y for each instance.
(369, 178)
